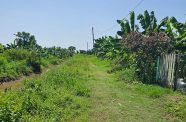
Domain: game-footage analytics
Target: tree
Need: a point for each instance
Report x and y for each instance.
(25, 40)
(175, 30)
(72, 50)
(126, 26)
(148, 22)
(11, 45)
(107, 47)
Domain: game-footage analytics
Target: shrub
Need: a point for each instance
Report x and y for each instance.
(3, 63)
(17, 54)
(127, 75)
(35, 64)
(34, 61)
(53, 60)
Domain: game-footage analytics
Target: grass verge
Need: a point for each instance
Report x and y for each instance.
(59, 95)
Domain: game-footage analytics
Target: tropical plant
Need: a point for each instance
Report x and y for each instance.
(1, 48)
(148, 22)
(72, 50)
(146, 50)
(126, 26)
(107, 47)
(175, 30)
(25, 40)
(11, 45)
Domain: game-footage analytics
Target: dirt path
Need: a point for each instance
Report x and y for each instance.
(113, 102)
(17, 84)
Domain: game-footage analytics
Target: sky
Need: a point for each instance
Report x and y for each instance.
(68, 22)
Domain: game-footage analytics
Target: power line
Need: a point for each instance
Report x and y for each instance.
(110, 28)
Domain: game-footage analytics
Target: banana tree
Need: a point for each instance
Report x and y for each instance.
(72, 50)
(175, 30)
(148, 22)
(107, 47)
(128, 26)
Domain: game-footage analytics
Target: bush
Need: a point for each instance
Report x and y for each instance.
(127, 75)
(35, 64)
(54, 60)
(17, 54)
(3, 63)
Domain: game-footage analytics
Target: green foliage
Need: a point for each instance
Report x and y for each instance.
(146, 49)
(175, 30)
(107, 47)
(16, 62)
(1, 48)
(25, 40)
(132, 21)
(148, 22)
(59, 95)
(126, 26)
(141, 49)
(25, 56)
(127, 75)
(72, 50)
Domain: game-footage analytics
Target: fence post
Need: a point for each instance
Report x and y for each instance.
(177, 71)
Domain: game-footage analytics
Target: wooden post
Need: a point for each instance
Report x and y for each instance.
(93, 35)
(87, 47)
(177, 71)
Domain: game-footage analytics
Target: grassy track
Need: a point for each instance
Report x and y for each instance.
(112, 100)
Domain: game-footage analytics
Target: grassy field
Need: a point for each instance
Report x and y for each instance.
(81, 90)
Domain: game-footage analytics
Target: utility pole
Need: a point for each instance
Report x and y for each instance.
(93, 35)
(87, 46)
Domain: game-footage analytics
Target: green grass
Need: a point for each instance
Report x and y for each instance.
(121, 97)
(59, 95)
(80, 89)
(15, 63)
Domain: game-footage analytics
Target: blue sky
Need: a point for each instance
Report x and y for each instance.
(68, 22)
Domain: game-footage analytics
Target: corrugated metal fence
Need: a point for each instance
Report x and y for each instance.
(166, 69)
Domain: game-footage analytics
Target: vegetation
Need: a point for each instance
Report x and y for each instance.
(25, 56)
(59, 95)
(80, 89)
(140, 50)
(84, 88)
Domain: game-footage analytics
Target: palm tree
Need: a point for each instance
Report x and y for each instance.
(11, 45)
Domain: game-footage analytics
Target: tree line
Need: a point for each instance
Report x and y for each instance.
(25, 56)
